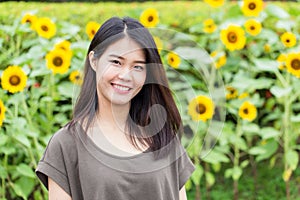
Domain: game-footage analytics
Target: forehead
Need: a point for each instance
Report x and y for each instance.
(125, 47)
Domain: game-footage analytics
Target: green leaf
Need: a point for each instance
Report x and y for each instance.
(67, 89)
(192, 53)
(245, 163)
(228, 173)
(22, 139)
(210, 179)
(236, 173)
(276, 11)
(266, 65)
(214, 157)
(269, 132)
(26, 185)
(18, 190)
(257, 150)
(238, 142)
(25, 170)
(3, 172)
(3, 139)
(271, 147)
(295, 118)
(292, 159)
(280, 92)
(197, 174)
(285, 24)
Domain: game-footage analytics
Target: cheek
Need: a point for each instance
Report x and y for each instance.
(140, 79)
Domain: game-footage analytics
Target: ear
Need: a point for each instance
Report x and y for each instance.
(92, 60)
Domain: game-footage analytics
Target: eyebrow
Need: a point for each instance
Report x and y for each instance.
(122, 58)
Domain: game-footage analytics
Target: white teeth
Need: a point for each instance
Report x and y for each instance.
(121, 88)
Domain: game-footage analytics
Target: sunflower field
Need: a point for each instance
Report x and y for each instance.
(233, 67)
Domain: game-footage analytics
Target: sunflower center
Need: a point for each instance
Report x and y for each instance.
(296, 64)
(252, 28)
(232, 37)
(57, 61)
(200, 108)
(14, 80)
(150, 18)
(44, 28)
(93, 32)
(77, 77)
(287, 40)
(28, 21)
(252, 6)
(172, 60)
(246, 111)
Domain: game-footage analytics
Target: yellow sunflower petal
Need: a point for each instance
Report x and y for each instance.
(252, 7)
(281, 60)
(209, 26)
(29, 18)
(91, 29)
(248, 111)
(219, 58)
(173, 60)
(45, 27)
(293, 64)
(288, 39)
(215, 3)
(253, 27)
(149, 17)
(76, 77)
(58, 61)
(201, 108)
(233, 37)
(13, 79)
(2, 112)
(65, 46)
(231, 92)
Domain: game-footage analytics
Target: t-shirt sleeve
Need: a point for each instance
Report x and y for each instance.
(185, 169)
(53, 163)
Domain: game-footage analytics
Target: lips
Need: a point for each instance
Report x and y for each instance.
(119, 87)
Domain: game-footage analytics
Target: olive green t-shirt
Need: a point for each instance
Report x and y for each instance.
(85, 171)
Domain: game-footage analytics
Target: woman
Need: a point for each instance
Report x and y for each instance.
(122, 142)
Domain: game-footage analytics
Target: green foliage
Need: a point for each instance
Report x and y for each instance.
(224, 147)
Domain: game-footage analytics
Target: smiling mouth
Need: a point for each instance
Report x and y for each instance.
(121, 87)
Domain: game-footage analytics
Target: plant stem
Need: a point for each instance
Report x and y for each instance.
(286, 131)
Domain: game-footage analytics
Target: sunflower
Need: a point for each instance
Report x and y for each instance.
(244, 95)
(2, 112)
(91, 29)
(13, 79)
(58, 61)
(248, 111)
(215, 3)
(201, 108)
(231, 92)
(30, 19)
(219, 58)
(233, 37)
(281, 60)
(149, 17)
(173, 60)
(65, 46)
(293, 64)
(45, 27)
(253, 27)
(288, 39)
(76, 77)
(252, 7)
(267, 48)
(209, 26)
(159, 43)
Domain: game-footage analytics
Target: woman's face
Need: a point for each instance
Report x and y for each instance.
(120, 71)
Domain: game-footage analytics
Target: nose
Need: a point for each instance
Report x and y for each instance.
(125, 74)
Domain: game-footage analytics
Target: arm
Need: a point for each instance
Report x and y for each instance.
(182, 194)
(56, 192)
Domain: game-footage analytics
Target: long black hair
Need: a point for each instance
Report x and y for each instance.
(154, 92)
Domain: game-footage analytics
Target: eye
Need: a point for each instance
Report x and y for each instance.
(115, 62)
(139, 68)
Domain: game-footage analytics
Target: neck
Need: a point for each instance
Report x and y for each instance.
(115, 116)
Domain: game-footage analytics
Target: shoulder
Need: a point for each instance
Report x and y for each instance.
(62, 140)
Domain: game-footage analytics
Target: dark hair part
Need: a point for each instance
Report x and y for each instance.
(155, 90)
